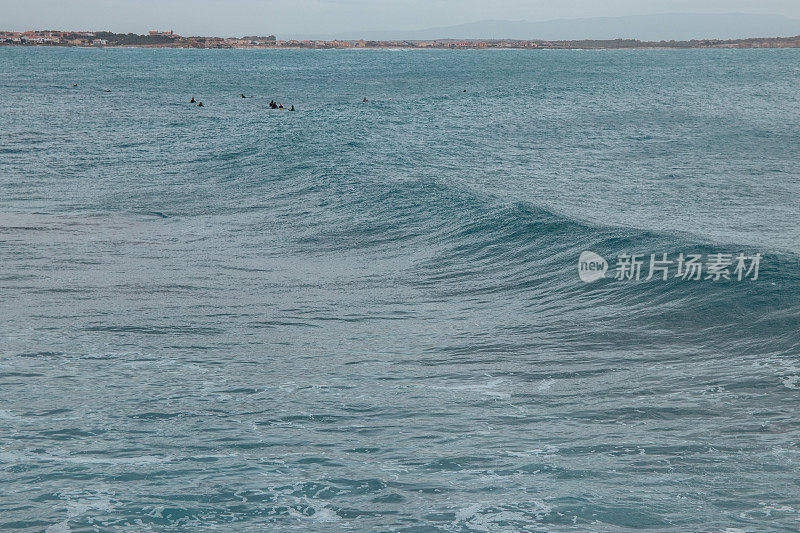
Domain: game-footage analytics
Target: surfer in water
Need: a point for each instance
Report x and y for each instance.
(292, 109)
(200, 104)
(364, 100)
(192, 101)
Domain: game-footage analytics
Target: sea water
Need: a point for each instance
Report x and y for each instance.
(368, 315)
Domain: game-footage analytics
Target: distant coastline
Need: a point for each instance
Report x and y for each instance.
(155, 39)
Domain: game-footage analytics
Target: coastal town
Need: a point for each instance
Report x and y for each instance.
(169, 39)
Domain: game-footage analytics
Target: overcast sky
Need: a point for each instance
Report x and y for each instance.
(287, 17)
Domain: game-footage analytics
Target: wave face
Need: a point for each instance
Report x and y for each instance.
(368, 315)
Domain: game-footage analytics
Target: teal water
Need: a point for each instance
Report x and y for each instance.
(368, 316)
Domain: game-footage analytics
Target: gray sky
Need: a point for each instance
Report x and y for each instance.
(286, 17)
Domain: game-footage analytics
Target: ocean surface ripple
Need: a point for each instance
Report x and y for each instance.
(368, 316)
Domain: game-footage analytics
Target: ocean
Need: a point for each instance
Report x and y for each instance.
(371, 316)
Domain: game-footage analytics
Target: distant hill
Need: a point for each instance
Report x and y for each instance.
(666, 27)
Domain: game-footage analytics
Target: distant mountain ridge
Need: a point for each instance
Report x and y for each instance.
(670, 26)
